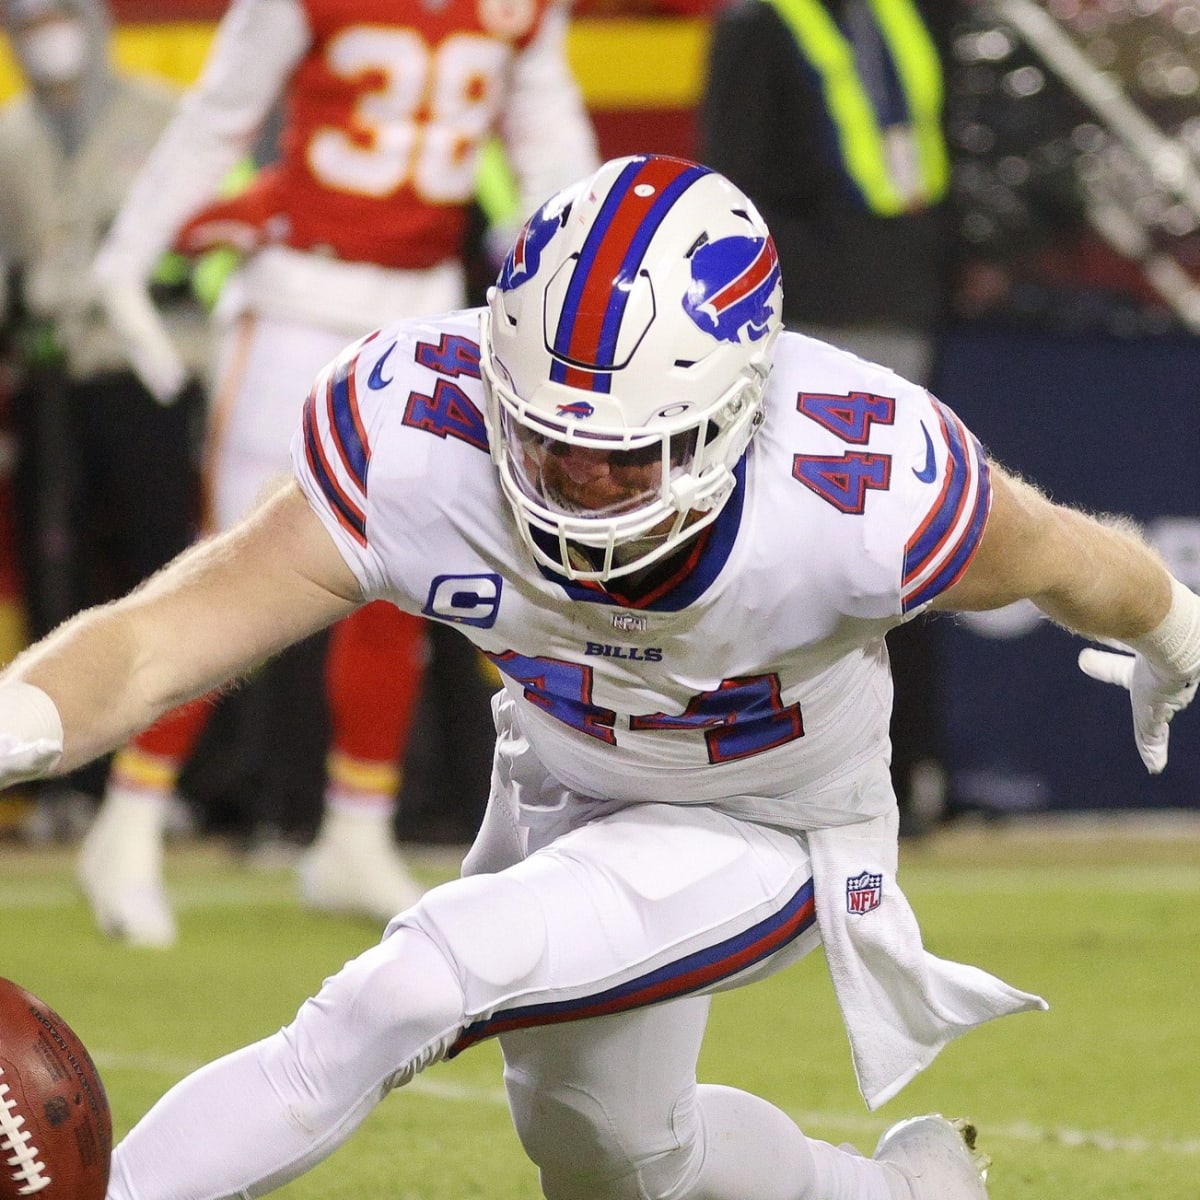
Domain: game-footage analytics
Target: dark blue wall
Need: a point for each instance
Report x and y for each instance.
(1104, 424)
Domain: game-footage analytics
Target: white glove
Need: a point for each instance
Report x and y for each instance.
(31, 733)
(1154, 698)
(152, 354)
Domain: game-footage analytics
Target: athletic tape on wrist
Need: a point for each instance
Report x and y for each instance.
(30, 725)
(1174, 645)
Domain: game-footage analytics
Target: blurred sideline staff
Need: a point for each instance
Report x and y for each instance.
(837, 135)
(359, 221)
(106, 481)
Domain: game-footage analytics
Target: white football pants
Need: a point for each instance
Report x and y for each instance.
(266, 367)
(559, 953)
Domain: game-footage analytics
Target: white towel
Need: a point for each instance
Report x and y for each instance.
(901, 1004)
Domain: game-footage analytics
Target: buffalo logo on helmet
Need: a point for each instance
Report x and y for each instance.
(525, 257)
(577, 408)
(733, 281)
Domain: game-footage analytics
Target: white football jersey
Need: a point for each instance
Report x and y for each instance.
(756, 678)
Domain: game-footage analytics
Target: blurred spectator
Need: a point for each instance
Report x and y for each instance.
(360, 220)
(828, 113)
(106, 481)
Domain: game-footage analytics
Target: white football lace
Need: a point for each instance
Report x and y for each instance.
(27, 1169)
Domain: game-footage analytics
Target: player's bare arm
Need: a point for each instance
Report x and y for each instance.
(219, 609)
(1095, 576)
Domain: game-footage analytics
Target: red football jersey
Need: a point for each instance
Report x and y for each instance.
(384, 122)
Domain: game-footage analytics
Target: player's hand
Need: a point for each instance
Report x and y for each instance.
(21, 760)
(151, 352)
(215, 230)
(244, 222)
(1154, 699)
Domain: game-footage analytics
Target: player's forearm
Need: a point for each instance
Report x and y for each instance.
(546, 156)
(1116, 587)
(1109, 583)
(90, 670)
(1097, 576)
(183, 173)
(255, 51)
(216, 611)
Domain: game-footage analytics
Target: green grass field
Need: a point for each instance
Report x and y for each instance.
(1097, 1099)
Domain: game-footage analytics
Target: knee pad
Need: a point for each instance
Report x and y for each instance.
(385, 1015)
(569, 1136)
(585, 1152)
(493, 930)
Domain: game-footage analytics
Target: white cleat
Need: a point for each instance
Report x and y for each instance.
(120, 871)
(355, 867)
(937, 1156)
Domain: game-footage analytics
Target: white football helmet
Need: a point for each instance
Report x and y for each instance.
(625, 351)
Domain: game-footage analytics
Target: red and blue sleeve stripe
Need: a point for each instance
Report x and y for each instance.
(590, 321)
(345, 420)
(942, 547)
(692, 973)
(336, 448)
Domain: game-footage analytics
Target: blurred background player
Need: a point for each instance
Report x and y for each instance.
(837, 135)
(360, 220)
(106, 486)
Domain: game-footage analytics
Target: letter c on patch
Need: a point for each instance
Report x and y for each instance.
(464, 599)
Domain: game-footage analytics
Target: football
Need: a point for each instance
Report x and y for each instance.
(55, 1124)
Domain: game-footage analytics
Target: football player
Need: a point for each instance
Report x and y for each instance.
(360, 220)
(680, 535)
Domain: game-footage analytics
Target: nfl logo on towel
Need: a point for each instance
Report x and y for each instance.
(863, 893)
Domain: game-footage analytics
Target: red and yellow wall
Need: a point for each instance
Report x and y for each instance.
(641, 75)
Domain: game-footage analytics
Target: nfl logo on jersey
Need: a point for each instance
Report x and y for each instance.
(863, 893)
(629, 622)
